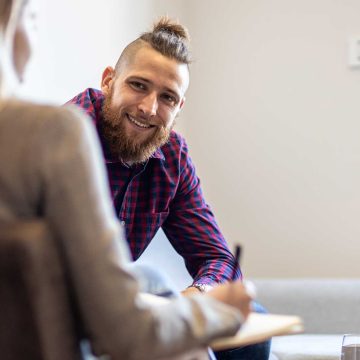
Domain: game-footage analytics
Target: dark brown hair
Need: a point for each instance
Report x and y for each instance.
(168, 37)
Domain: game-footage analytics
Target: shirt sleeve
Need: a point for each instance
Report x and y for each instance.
(192, 230)
(69, 167)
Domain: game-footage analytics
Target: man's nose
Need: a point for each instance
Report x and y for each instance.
(149, 104)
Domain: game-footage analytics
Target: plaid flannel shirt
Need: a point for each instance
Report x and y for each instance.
(165, 192)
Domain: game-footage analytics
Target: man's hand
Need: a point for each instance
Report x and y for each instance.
(233, 294)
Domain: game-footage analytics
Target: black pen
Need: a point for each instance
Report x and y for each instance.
(237, 261)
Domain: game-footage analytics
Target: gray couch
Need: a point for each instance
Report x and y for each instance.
(329, 308)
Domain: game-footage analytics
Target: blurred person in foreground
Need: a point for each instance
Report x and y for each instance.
(52, 170)
(151, 175)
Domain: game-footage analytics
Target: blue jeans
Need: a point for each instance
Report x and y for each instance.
(259, 351)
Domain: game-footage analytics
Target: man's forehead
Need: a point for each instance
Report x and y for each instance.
(151, 65)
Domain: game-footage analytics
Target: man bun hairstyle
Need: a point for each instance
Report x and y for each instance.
(170, 26)
(170, 39)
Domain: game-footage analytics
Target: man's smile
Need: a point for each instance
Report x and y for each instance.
(137, 123)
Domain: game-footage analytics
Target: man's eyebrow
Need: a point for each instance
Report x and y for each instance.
(140, 78)
(174, 92)
(177, 95)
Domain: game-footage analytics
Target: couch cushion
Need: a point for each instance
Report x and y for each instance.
(327, 306)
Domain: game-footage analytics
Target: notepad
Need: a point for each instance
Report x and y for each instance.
(257, 328)
(260, 327)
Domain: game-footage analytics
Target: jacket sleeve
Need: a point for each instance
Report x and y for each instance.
(78, 208)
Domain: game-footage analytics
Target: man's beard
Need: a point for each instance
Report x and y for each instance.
(124, 147)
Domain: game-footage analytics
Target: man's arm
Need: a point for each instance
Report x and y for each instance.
(192, 230)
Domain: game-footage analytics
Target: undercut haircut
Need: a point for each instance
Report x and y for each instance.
(168, 37)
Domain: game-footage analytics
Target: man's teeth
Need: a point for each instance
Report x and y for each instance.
(138, 123)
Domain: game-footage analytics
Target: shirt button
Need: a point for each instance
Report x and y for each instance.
(122, 223)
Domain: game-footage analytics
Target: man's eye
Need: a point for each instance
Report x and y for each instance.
(138, 85)
(170, 99)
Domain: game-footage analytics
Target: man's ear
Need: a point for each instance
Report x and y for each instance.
(182, 102)
(107, 79)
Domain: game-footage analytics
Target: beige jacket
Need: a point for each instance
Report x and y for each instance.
(51, 167)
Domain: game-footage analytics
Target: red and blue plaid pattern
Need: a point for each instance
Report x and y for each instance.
(165, 192)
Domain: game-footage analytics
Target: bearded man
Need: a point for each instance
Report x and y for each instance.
(152, 178)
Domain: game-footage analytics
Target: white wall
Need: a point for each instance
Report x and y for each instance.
(77, 39)
(272, 116)
(273, 124)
